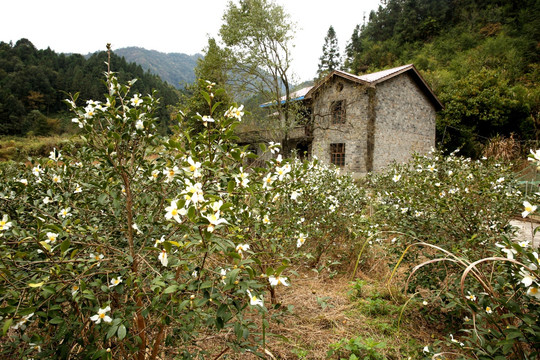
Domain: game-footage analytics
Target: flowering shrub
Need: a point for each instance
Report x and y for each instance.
(491, 297)
(132, 242)
(450, 201)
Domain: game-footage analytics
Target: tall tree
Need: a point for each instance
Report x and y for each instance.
(330, 59)
(212, 76)
(258, 34)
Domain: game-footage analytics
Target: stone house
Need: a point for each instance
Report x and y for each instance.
(364, 123)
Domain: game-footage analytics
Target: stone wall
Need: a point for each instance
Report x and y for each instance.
(404, 121)
(352, 133)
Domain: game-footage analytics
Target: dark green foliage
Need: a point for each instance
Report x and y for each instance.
(330, 59)
(480, 58)
(36, 81)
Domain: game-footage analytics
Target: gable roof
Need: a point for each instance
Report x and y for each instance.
(297, 95)
(381, 76)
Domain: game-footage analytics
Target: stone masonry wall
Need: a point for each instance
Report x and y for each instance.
(404, 121)
(352, 133)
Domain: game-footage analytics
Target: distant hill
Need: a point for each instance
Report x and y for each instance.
(174, 68)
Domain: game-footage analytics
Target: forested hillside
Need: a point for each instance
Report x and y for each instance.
(34, 83)
(174, 68)
(480, 57)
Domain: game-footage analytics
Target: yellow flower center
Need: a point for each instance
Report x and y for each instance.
(102, 315)
(171, 172)
(174, 212)
(192, 168)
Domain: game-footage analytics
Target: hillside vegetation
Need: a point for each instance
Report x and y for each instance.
(34, 83)
(174, 68)
(480, 57)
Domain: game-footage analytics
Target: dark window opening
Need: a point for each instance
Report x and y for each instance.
(338, 112)
(337, 154)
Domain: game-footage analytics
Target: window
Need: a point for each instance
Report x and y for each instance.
(338, 112)
(337, 154)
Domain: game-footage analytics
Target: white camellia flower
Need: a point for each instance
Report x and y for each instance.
(301, 240)
(159, 241)
(268, 180)
(56, 179)
(115, 281)
(527, 279)
(235, 112)
(295, 194)
(533, 291)
(24, 320)
(266, 219)
(51, 237)
(206, 119)
(173, 212)
(139, 125)
(240, 248)
(154, 175)
(37, 170)
(135, 227)
(136, 100)
(193, 168)
(96, 257)
(64, 213)
(274, 281)
(162, 257)
(508, 251)
(254, 300)
(282, 171)
(4, 223)
(170, 173)
(102, 315)
(78, 189)
(55, 155)
(396, 177)
(242, 178)
(528, 208)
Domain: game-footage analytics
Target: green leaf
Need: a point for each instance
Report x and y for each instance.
(230, 186)
(121, 332)
(102, 199)
(56, 321)
(171, 289)
(206, 97)
(65, 245)
(215, 106)
(6, 326)
(191, 214)
(112, 331)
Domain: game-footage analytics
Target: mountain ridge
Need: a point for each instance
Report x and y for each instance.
(177, 69)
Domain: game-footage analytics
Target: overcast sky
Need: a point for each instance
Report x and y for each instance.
(76, 26)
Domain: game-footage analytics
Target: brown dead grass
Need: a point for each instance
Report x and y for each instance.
(310, 329)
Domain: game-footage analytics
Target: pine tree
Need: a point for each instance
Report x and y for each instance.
(330, 59)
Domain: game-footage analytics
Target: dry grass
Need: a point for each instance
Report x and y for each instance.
(327, 310)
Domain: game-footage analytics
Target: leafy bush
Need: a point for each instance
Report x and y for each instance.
(450, 201)
(132, 242)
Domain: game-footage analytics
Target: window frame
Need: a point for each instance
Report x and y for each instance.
(337, 154)
(338, 112)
